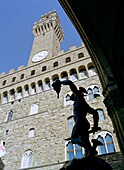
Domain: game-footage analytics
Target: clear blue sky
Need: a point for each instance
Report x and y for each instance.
(16, 20)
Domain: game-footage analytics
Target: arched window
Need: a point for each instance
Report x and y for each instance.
(22, 76)
(2, 149)
(64, 75)
(73, 75)
(47, 84)
(40, 86)
(9, 116)
(90, 94)
(74, 151)
(5, 97)
(96, 91)
(101, 115)
(67, 100)
(44, 68)
(102, 149)
(34, 108)
(31, 133)
(91, 69)
(27, 159)
(26, 90)
(78, 151)
(36, 30)
(71, 123)
(4, 83)
(33, 88)
(82, 72)
(55, 64)
(32, 72)
(68, 59)
(19, 93)
(108, 144)
(93, 92)
(80, 55)
(55, 77)
(13, 79)
(70, 151)
(12, 94)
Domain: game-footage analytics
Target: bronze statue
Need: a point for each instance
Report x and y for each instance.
(80, 132)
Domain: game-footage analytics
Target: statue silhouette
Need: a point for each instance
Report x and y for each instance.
(80, 131)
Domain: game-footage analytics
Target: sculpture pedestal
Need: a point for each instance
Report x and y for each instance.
(88, 163)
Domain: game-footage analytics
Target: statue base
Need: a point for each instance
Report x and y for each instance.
(87, 163)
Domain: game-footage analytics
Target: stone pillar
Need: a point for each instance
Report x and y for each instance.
(30, 89)
(37, 88)
(114, 102)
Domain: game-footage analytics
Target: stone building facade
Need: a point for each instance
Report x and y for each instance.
(33, 122)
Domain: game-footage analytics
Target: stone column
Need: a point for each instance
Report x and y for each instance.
(114, 102)
(30, 89)
(37, 88)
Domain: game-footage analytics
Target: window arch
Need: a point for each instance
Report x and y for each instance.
(74, 151)
(102, 149)
(19, 93)
(47, 84)
(55, 77)
(26, 90)
(3, 149)
(4, 83)
(64, 75)
(12, 94)
(101, 115)
(5, 97)
(34, 108)
(96, 91)
(73, 75)
(31, 133)
(27, 159)
(91, 69)
(82, 72)
(32, 72)
(90, 94)
(80, 55)
(67, 100)
(44, 68)
(33, 88)
(55, 64)
(40, 86)
(93, 92)
(108, 144)
(22, 76)
(68, 59)
(70, 151)
(78, 151)
(71, 123)
(13, 79)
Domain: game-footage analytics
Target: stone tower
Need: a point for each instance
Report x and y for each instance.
(33, 122)
(47, 37)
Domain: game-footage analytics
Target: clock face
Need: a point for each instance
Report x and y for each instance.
(39, 56)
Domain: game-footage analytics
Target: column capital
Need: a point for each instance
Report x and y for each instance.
(113, 101)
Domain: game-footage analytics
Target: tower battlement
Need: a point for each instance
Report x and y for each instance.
(48, 22)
